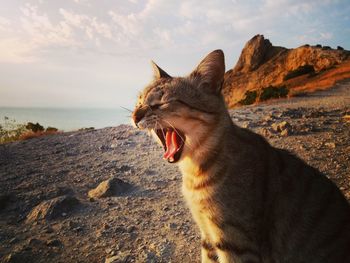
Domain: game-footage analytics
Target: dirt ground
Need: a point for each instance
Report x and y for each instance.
(46, 214)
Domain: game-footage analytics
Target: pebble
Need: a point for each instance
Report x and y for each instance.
(330, 145)
(54, 243)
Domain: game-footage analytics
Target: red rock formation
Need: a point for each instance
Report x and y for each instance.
(261, 64)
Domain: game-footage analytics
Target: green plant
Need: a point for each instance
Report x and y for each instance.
(34, 127)
(51, 129)
(272, 92)
(302, 70)
(11, 131)
(249, 97)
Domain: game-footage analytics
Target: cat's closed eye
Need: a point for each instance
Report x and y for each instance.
(155, 106)
(160, 106)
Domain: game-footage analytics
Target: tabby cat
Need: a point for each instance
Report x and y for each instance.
(251, 201)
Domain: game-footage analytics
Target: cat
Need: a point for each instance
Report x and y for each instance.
(252, 202)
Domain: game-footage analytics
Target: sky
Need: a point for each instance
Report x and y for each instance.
(97, 53)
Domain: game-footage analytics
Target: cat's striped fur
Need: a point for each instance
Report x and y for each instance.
(251, 201)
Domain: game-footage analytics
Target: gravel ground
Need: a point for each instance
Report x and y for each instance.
(47, 214)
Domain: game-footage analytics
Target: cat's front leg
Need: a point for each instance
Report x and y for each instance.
(208, 252)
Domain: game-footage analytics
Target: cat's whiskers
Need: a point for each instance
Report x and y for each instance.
(125, 109)
(161, 128)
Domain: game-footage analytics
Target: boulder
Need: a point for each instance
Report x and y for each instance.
(110, 187)
(281, 126)
(254, 54)
(53, 208)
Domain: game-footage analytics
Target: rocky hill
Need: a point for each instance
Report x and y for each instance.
(264, 71)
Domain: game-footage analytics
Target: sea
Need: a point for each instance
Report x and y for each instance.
(66, 119)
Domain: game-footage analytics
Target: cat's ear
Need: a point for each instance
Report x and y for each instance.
(211, 70)
(158, 72)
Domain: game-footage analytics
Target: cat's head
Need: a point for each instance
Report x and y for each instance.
(181, 111)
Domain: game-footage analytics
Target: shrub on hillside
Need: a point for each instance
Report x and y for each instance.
(34, 127)
(51, 129)
(267, 93)
(340, 48)
(11, 131)
(249, 97)
(272, 92)
(306, 69)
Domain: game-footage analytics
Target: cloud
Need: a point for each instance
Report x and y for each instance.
(38, 32)
(41, 32)
(4, 24)
(139, 26)
(90, 25)
(13, 50)
(326, 35)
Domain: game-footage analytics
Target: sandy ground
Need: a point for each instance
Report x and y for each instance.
(148, 222)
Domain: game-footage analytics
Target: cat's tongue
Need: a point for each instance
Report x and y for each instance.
(172, 145)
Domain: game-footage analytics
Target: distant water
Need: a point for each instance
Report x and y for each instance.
(67, 119)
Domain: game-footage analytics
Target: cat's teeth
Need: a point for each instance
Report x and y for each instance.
(171, 159)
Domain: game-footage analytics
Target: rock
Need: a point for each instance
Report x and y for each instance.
(4, 200)
(122, 257)
(53, 208)
(346, 117)
(54, 243)
(14, 240)
(34, 242)
(284, 128)
(113, 259)
(285, 132)
(48, 229)
(253, 54)
(110, 187)
(20, 257)
(330, 144)
(280, 126)
(114, 145)
(261, 65)
(172, 226)
(124, 168)
(150, 257)
(246, 125)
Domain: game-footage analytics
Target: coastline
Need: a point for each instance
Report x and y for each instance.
(66, 119)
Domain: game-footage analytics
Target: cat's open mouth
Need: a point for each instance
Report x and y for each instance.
(173, 142)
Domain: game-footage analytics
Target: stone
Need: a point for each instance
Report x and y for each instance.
(20, 257)
(331, 145)
(121, 257)
(110, 187)
(172, 226)
(113, 259)
(253, 54)
(4, 200)
(284, 128)
(34, 242)
(52, 209)
(54, 243)
(285, 132)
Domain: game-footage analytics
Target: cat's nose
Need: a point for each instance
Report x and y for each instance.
(138, 114)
